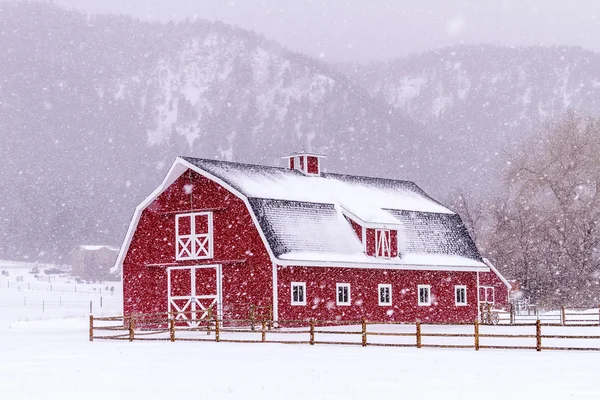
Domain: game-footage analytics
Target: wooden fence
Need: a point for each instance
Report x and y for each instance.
(523, 336)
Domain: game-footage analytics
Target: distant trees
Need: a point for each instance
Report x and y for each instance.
(544, 230)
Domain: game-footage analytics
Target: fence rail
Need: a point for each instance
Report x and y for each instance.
(366, 333)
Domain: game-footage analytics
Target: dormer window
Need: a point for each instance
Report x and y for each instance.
(194, 236)
(383, 246)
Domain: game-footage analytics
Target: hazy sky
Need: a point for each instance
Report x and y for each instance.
(363, 30)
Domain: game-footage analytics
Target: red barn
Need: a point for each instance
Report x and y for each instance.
(300, 242)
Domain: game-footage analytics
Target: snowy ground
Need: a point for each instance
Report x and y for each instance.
(47, 355)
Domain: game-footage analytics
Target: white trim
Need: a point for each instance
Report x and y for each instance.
(364, 238)
(275, 295)
(456, 302)
(195, 246)
(197, 310)
(373, 225)
(299, 302)
(177, 169)
(337, 298)
(384, 286)
(380, 245)
(485, 290)
(478, 300)
(381, 265)
(494, 270)
(425, 303)
(173, 174)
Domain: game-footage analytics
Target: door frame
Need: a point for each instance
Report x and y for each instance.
(193, 294)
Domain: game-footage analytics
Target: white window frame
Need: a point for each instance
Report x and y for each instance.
(389, 288)
(486, 299)
(194, 246)
(383, 243)
(337, 294)
(292, 287)
(428, 302)
(456, 289)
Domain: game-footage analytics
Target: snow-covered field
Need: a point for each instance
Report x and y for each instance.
(45, 354)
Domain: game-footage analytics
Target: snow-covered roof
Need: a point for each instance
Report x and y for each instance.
(302, 217)
(286, 184)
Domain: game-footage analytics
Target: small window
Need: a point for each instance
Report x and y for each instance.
(382, 243)
(424, 295)
(193, 236)
(298, 293)
(460, 295)
(343, 294)
(385, 295)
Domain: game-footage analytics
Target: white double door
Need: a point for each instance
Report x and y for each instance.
(192, 291)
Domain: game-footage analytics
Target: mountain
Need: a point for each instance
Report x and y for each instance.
(478, 102)
(93, 110)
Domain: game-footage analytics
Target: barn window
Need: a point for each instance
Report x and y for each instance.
(298, 293)
(382, 243)
(424, 295)
(194, 236)
(343, 294)
(487, 294)
(385, 295)
(460, 295)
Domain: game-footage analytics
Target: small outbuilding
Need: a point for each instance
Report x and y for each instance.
(93, 262)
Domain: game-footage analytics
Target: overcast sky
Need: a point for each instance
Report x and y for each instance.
(364, 30)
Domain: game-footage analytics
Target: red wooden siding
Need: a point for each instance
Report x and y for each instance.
(321, 294)
(490, 279)
(246, 266)
(302, 162)
(357, 228)
(312, 165)
(291, 160)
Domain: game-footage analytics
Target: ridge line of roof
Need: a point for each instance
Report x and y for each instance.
(323, 174)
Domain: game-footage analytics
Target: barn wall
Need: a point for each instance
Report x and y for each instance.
(235, 238)
(500, 289)
(321, 294)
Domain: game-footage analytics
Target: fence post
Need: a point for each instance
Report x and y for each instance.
(91, 328)
(131, 328)
(216, 329)
(312, 331)
(364, 332)
(562, 315)
(418, 335)
(512, 314)
(270, 317)
(44, 306)
(100, 301)
(172, 329)
(264, 330)
(252, 317)
(598, 315)
(538, 335)
(476, 335)
(90, 306)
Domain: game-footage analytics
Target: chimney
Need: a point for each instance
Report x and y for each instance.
(307, 163)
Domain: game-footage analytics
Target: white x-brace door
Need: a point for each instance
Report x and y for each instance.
(188, 298)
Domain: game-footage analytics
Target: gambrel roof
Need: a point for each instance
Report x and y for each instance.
(303, 217)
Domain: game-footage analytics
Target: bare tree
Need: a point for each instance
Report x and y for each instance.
(548, 230)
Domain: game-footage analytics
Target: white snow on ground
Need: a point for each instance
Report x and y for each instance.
(49, 357)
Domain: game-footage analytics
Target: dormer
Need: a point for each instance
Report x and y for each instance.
(376, 229)
(307, 163)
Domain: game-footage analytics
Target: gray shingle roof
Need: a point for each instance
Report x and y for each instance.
(301, 217)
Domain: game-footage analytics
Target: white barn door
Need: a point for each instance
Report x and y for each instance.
(192, 291)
